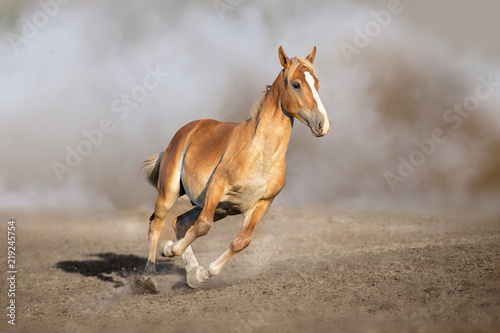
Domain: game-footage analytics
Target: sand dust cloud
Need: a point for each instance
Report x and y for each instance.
(99, 86)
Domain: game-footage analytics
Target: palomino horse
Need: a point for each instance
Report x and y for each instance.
(228, 169)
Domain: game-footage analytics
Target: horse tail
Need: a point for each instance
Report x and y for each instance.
(150, 167)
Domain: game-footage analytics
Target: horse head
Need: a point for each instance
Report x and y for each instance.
(299, 95)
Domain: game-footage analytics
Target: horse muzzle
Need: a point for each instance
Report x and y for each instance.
(319, 124)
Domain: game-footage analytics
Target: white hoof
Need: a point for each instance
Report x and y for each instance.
(197, 276)
(167, 247)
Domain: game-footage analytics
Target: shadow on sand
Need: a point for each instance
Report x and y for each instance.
(110, 266)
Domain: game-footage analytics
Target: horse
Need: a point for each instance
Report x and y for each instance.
(229, 168)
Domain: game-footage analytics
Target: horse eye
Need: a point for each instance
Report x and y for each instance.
(296, 85)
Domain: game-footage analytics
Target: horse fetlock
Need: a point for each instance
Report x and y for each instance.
(167, 249)
(189, 260)
(177, 249)
(189, 266)
(213, 269)
(197, 276)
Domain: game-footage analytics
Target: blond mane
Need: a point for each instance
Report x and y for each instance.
(258, 102)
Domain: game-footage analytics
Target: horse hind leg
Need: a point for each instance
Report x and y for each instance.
(155, 228)
(156, 224)
(168, 192)
(169, 189)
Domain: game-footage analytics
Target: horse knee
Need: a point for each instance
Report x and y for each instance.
(240, 243)
(202, 226)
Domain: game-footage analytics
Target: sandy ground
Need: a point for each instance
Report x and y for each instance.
(315, 270)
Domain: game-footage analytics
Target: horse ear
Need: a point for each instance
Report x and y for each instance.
(312, 55)
(285, 62)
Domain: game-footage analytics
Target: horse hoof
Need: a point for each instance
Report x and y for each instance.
(168, 246)
(145, 285)
(196, 277)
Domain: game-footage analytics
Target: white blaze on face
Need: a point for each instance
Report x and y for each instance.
(321, 108)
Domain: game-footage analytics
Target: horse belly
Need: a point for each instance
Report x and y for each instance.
(241, 198)
(245, 191)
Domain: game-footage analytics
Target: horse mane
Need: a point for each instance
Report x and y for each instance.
(258, 102)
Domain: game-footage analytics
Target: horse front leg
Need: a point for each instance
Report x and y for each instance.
(183, 225)
(202, 225)
(196, 277)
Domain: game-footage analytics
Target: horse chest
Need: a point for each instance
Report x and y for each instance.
(252, 180)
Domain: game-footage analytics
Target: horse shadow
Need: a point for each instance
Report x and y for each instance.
(115, 268)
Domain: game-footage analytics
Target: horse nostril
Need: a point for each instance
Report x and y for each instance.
(319, 126)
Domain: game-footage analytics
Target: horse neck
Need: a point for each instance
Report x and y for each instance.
(273, 125)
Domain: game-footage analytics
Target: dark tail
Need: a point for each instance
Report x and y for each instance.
(150, 167)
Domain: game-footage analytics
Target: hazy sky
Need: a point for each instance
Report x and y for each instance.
(90, 88)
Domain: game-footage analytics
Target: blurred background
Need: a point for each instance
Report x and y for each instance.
(88, 89)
